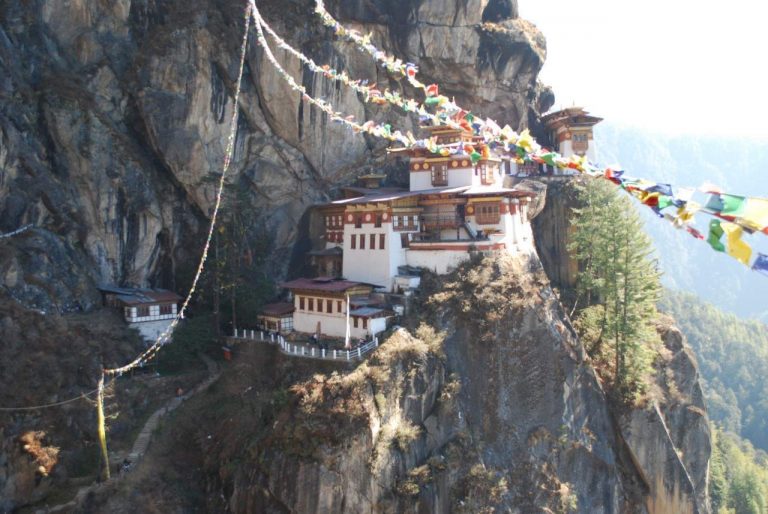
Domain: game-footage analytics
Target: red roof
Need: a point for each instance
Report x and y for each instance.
(278, 309)
(323, 284)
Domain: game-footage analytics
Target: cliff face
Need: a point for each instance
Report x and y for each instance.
(492, 407)
(113, 117)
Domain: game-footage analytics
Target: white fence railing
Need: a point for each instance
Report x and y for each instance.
(307, 350)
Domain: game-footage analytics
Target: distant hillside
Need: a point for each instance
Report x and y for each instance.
(733, 357)
(737, 166)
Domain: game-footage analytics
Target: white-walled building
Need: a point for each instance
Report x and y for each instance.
(321, 308)
(452, 207)
(276, 317)
(150, 311)
(571, 132)
(456, 205)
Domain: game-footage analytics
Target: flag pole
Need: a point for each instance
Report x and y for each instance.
(346, 339)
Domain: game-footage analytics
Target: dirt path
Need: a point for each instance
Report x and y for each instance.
(142, 441)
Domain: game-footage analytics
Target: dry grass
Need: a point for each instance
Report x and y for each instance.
(45, 456)
(406, 433)
(402, 346)
(450, 390)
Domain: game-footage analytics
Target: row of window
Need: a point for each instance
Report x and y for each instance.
(487, 213)
(360, 239)
(150, 310)
(377, 219)
(334, 221)
(334, 237)
(405, 222)
(307, 303)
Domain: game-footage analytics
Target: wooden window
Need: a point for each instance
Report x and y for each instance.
(487, 213)
(319, 305)
(378, 220)
(372, 244)
(142, 311)
(166, 309)
(359, 221)
(362, 241)
(365, 322)
(329, 306)
(338, 305)
(439, 175)
(355, 320)
(404, 241)
(382, 238)
(301, 303)
(311, 306)
(354, 241)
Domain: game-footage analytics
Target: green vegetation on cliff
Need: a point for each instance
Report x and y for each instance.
(617, 286)
(733, 357)
(738, 476)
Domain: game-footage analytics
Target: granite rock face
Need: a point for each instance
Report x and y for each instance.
(670, 439)
(114, 119)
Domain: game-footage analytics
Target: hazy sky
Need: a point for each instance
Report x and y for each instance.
(670, 65)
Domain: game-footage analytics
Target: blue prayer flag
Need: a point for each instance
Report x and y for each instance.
(761, 263)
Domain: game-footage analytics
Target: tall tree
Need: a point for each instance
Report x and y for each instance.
(618, 284)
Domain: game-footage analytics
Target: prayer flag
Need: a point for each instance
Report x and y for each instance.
(755, 214)
(761, 263)
(664, 189)
(732, 205)
(715, 233)
(432, 90)
(695, 233)
(737, 248)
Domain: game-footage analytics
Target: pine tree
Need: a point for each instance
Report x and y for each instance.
(617, 287)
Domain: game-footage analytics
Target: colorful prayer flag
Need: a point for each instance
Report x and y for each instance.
(737, 248)
(715, 233)
(761, 263)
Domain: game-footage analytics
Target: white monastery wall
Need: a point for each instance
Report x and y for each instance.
(439, 261)
(374, 266)
(151, 330)
(421, 180)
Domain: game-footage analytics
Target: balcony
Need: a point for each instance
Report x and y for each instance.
(440, 221)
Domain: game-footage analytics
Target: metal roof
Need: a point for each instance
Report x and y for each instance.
(323, 284)
(136, 295)
(368, 312)
(277, 309)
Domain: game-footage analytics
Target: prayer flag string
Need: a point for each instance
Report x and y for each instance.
(16, 232)
(735, 214)
(163, 338)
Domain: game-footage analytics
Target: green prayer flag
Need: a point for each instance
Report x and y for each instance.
(715, 233)
(665, 201)
(549, 158)
(432, 100)
(475, 156)
(732, 205)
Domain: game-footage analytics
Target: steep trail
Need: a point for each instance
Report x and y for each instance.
(143, 439)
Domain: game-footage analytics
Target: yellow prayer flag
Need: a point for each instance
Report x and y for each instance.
(755, 214)
(737, 248)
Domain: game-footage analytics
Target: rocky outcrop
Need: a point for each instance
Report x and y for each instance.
(499, 411)
(670, 439)
(551, 229)
(491, 405)
(114, 117)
